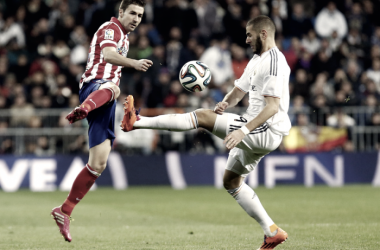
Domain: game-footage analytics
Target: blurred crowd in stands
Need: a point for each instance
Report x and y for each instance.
(332, 47)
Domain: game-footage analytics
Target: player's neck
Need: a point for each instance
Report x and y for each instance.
(125, 28)
(267, 46)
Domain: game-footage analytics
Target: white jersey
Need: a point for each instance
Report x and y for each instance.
(267, 75)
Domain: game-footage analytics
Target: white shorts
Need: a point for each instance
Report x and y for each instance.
(254, 146)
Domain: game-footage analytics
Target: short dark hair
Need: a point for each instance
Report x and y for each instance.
(262, 22)
(125, 3)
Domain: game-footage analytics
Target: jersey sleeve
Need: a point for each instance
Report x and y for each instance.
(109, 36)
(272, 76)
(243, 82)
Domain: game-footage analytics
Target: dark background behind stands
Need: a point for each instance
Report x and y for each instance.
(333, 49)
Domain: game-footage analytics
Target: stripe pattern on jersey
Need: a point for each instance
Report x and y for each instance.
(273, 63)
(262, 128)
(96, 67)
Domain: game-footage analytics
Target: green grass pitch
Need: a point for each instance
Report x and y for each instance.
(195, 218)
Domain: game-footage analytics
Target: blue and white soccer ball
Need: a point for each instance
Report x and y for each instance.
(195, 76)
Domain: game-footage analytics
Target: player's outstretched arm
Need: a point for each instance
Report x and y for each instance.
(112, 57)
(271, 108)
(230, 100)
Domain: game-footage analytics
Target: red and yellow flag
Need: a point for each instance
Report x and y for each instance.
(304, 139)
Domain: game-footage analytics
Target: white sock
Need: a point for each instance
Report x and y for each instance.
(173, 122)
(249, 201)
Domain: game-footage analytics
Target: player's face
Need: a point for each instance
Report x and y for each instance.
(254, 40)
(131, 17)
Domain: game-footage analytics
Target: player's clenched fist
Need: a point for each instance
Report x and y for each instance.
(220, 107)
(143, 65)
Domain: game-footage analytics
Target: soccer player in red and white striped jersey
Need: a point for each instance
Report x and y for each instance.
(99, 87)
(110, 34)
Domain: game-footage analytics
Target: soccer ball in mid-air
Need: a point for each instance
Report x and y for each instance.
(195, 76)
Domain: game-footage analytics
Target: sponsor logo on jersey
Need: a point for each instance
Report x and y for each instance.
(254, 88)
(109, 34)
(122, 51)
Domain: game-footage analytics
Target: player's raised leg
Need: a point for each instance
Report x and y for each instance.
(250, 202)
(107, 92)
(82, 184)
(202, 118)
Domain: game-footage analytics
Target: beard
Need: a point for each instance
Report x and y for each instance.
(258, 46)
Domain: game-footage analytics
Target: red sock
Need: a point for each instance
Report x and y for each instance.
(81, 185)
(98, 98)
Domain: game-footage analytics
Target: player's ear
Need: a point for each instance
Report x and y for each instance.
(264, 35)
(121, 13)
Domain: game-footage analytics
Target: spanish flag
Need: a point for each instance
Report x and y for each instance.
(318, 139)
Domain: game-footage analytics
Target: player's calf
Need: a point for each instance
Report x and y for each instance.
(172, 122)
(107, 92)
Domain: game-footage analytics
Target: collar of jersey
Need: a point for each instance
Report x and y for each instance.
(115, 20)
(275, 47)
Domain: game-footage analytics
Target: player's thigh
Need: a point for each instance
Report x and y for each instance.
(87, 89)
(113, 87)
(241, 162)
(227, 123)
(249, 160)
(98, 156)
(263, 141)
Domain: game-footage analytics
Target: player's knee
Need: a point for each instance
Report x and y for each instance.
(206, 118)
(99, 168)
(231, 183)
(116, 90)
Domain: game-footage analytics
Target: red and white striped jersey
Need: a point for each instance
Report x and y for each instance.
(109, 34)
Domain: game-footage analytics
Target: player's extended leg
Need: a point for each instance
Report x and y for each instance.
(250, 202)
(96, 164)
(107, 92)
(201, 118)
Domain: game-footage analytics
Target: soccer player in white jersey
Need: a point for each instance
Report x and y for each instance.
(99, 87)
(250, 136)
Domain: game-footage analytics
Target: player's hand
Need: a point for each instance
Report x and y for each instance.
(143, 65)
(220, 107)
(233, 139)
